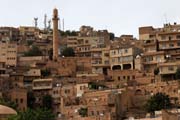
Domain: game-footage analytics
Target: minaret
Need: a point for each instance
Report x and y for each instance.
(55, 34)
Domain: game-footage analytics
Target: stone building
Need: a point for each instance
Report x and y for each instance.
(9, 34)
(161, 45)
(19, 96)
(122, 57)
(100, 104)
(28, 33)
(8, 53)
(100, 60)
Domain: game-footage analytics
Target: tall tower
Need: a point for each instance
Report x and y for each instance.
(55, 34)
(45, 21)
(36, 22)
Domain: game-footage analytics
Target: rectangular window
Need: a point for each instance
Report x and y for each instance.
(158, 58)
(171, 68)
(163, 37)
(163, 46)
(113, 60)
(148, 59)
(128, 77)
(171, 45)
(120, 51)
(67, 91)
(92, 113)
(106, 62)
(97, 112)
(151, 36)
(170, 38)
(178, 43)
(119, 78)
(114, 52)
(106, 54)
(21, 100)
(120, 59)
(86, 41)
(178, 37)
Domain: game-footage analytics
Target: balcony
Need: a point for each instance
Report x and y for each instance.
(168, 68)
(149, 43)
(150, 62)
(97, 64)
(42, 87)
(96, 56)
(42, 84)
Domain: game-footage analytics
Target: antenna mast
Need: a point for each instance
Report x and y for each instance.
(165, 16)
(63, 24)
(45, 21)
(59, 23)
(49, 24)
(36, 22)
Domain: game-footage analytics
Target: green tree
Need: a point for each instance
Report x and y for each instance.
(74, 33)
(29, 43)
(8, 103)
(45, 72)
(69, 33)
(112, 36)
(83, 112)
(50, 53)
(68, 52)
(178, 73)
(37, 114)
(34, 51)
(44, 114)
(156, 71)
(96, 86)
(47, 102)
(158, 101)
(30, 99)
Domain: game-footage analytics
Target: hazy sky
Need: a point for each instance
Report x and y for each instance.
(118, 16)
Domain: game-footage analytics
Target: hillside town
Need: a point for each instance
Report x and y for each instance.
(90, 74)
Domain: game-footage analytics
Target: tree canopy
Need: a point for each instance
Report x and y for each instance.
(158, 101)
(112, 36)
(37, 114)
(47, 102)
(50, 53)
(68, 52)
(96, 86)
(30, 99)
(83, 112)
(34, 51)
(45, 72)
(178, 73)
(8, 103)
(29, 43)
(68, 33)
(156, 71)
